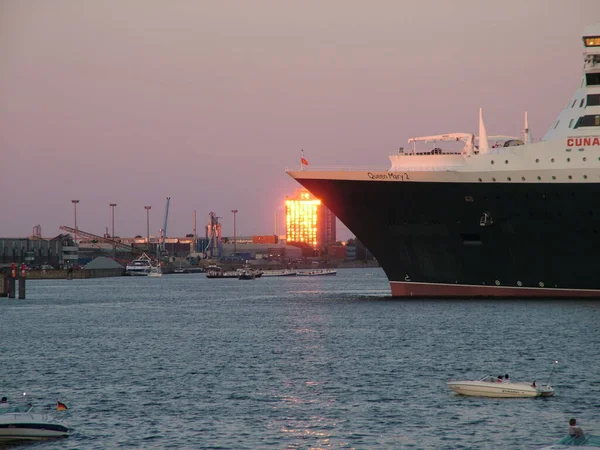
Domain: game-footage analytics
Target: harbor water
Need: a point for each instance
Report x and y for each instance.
(182, 361)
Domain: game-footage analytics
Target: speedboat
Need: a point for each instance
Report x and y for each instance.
(583, 442)
(21, 422)
(490, 386)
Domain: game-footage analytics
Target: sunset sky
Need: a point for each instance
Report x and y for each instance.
(131, 101)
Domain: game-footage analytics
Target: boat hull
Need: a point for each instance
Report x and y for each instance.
(498, 390)
(12, 427)
(540, 240)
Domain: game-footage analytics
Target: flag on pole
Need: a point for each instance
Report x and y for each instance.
(302, 160)
(61, 406)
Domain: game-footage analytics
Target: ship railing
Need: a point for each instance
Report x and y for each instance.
(422, 153)
(337, 169)
(440, 168)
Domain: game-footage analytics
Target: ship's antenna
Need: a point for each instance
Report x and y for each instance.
(526, 134)
(483, 139)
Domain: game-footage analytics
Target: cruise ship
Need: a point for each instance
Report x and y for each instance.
(484, 216)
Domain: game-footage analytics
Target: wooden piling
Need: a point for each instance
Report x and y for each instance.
(11, 287)
(22, 288)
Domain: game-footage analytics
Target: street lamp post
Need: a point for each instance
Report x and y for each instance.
(234, 211)
(148, 225)
(75, 214)
(112, 205)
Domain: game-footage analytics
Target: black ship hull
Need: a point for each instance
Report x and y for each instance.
(474, 239)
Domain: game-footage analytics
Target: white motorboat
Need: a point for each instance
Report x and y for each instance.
(490, 386)
(140, 266)
(21, 422)
(502, 387)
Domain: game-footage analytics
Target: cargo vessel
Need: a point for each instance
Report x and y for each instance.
(478, 215)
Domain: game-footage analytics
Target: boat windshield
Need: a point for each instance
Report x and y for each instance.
(489, 378)
(575, 441)
(15, 409)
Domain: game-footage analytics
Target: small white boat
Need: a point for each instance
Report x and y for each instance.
(316, 272)
(21, 422)
(490, 386)
(155, 271)
(500, 387)
(280, 273)
(247, 275)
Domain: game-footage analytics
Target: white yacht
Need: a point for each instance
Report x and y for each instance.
(140, 266)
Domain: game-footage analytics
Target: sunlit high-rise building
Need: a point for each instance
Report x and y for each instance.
(309, 221)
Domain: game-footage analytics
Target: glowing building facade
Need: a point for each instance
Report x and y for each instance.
(308, 221)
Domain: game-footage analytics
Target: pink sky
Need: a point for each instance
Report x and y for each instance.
(132, 101)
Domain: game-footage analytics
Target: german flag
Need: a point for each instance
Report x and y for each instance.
(61, 406)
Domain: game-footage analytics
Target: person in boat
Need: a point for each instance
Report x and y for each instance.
(506, 377)
(574, 429)
(499, 379)
(4, 402)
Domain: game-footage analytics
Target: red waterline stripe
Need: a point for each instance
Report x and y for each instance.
(410, 289)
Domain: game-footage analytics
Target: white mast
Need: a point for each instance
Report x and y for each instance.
(526, 134)
(484, 146)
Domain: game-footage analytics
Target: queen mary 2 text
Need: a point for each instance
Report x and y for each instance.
(582, 141)
(388, 176)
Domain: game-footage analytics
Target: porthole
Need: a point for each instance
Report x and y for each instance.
(541, 283)
(553, 177)
(570, 177)
(508, 178)
(480, 180)
(493, 179)
(584, 158)
(493, 161)
(497, 282)
(519, 284)
(539, 178)
(537, 160)
(522, 178)
(568, 159)
(552, 160)
(506, 161)
(585, 177)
